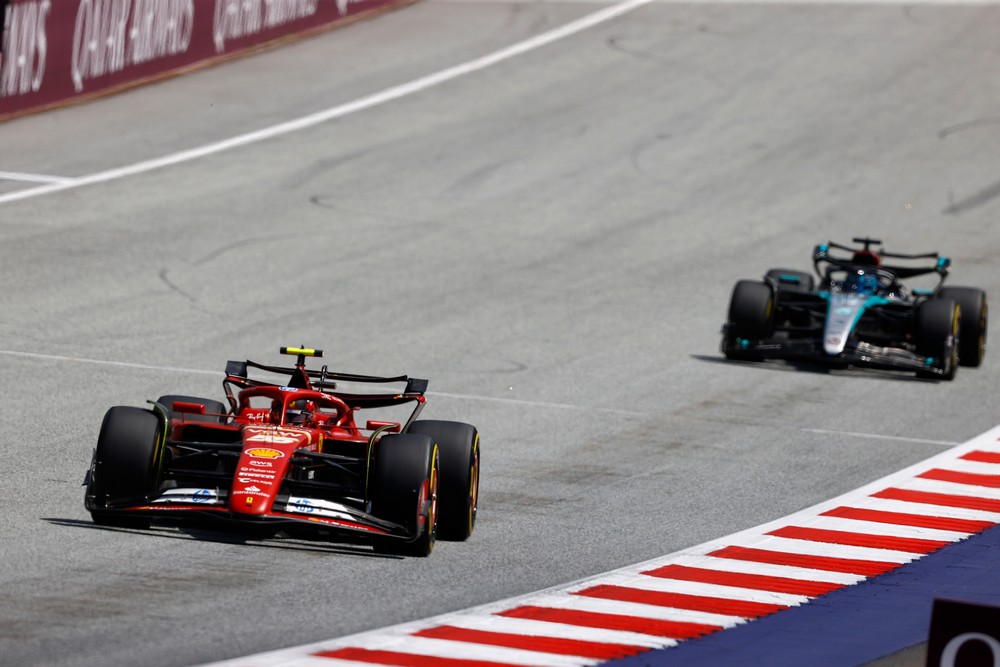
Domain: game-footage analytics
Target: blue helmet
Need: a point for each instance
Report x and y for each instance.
(861, 281)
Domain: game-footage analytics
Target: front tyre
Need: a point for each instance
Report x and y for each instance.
(125, 466)
(405, 481)
(458, 502)
(972, 329)
(751, 318)
(935, 331)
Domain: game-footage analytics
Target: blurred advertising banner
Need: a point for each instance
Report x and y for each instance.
(57, 51)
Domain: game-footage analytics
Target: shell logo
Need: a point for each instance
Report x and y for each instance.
(264, 453)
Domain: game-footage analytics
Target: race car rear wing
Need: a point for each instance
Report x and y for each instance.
(327, 379)
(324, 380)
(866, 256)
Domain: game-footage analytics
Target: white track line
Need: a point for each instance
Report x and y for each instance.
(461, 397)
(360, 104)
(102, 362)
(946, 443)
(539, 404)
(197, 371)
(33, 178)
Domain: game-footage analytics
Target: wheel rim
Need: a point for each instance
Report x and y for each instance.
(952, 356)
(474, 486)
(433, 491)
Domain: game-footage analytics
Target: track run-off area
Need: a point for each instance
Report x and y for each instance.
(542, 208)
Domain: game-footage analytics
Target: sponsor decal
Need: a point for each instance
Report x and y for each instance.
(303, 505)
(264, 452)
(189, 497)
(160, 28)
(316, 507)
(237, 19)
(253, 474)
(110, 35)
(262, 464)
(203, 496)
(276, 437)
(250, 491)
(25, 47)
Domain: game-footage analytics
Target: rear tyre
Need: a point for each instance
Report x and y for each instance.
(935, 330)
(211, 406)
(751, 317)
(790, 280)
(972, 328)
(458, 490)
(405, 478)
(125, 465)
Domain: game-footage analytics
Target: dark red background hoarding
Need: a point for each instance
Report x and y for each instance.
(58, 51)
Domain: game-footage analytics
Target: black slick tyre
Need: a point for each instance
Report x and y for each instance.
(935, 331)
(974, 320)
(751, 317)
(458, 490)
(125, 466)
(404, 490)
(213, 408)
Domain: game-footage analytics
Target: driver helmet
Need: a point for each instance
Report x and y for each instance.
(862, 281)
(300, 412)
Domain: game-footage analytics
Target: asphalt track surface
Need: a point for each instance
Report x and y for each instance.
(550, 240)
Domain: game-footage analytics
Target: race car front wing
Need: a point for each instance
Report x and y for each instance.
(315, 513)
(857, 353)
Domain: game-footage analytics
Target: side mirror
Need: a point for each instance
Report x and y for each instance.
(236, 368)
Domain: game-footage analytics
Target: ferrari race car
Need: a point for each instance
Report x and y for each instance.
(859, 314)
(289, 456)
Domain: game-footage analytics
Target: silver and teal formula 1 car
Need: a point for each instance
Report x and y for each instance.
(859, 313)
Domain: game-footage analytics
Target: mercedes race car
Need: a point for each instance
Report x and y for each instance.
(288, 455)
(859, 313)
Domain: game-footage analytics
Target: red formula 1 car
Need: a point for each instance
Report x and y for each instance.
(289, 457)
